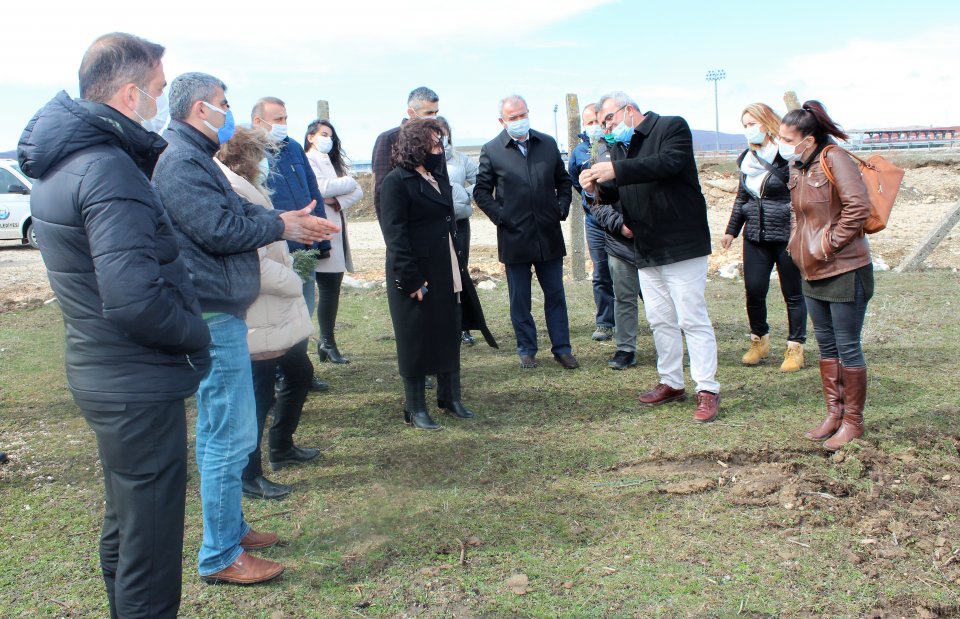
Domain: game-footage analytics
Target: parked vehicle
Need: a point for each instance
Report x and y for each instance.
(15, 220)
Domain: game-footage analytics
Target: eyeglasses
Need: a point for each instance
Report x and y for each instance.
(609, 117)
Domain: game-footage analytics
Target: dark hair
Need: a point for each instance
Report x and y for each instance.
(338, 156)
(114, 60)
(445, 126)
(416, 140)
(812, 119)
(421, 94)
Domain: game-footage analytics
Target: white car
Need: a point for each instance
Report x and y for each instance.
(15, 220)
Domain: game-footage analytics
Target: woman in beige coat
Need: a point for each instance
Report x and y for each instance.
(278, 327)
(340, 191)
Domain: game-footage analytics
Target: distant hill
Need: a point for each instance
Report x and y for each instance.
(707, 140)
(8, 154)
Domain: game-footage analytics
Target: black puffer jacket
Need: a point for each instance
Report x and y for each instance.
(766, 218)
(133, 327)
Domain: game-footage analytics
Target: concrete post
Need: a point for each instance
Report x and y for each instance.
(323, 109)
(578, 262)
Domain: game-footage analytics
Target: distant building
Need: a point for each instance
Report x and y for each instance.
(914, 135)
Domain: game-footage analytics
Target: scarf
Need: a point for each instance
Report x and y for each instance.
(754, 171)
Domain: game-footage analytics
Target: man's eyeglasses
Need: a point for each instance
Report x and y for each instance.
(609, 117)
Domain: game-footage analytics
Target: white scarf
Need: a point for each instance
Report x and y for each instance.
(755, 172)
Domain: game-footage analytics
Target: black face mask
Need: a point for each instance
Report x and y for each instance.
(434, 161)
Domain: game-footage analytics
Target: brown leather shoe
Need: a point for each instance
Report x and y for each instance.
(528, 362)
(567, 360)
(708, 404)
(854, 398)
(254, 540)
(246, 570)
(661, 394)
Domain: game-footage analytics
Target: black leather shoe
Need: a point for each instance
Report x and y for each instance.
(567, 360)
(262, 488)
(291, 457)
(423, 421)
(318, 385)
(329, 352)
(457, 409)
(622, 360)
(467, 339)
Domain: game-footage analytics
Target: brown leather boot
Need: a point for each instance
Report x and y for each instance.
(854, 397)
(832, 381)
(246, 570)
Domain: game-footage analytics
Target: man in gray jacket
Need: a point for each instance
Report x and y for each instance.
(219, 233)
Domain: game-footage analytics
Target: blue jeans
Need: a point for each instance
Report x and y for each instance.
(550, 276)
(837, 327)
(602, 281)
(226, 434)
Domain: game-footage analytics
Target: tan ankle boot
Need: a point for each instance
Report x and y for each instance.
(832, 379)
(854, 398)
(792, 357)
(759, 350)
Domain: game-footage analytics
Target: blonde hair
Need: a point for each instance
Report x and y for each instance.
(243, 153)
(767, 118)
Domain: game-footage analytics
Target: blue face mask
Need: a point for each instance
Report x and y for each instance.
(622, 133)
(594, 132)
(754, 134)
(518, 128)
(225, 132)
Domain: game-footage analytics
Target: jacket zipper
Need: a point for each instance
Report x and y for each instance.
(763, 186)
(802, 228)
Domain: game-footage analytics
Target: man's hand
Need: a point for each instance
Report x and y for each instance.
(302, 227)
(587, 182)
(627, 232)
(726, 241)
(602, 171)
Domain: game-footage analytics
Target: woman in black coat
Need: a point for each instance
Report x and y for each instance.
(762, 208)
(429, 292)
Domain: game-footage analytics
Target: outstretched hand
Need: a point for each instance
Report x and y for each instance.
(302, 227)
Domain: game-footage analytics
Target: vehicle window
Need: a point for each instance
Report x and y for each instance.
(6, 179)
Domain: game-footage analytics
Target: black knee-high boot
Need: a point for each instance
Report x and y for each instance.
(415, 404)
(448, 395)
(328, 303)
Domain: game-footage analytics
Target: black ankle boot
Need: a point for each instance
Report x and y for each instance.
(327, 351)
(415, 404)
(448, 395)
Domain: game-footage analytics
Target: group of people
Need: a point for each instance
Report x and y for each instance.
(171, 259)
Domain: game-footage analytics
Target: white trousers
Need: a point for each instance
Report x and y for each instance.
(673, 297)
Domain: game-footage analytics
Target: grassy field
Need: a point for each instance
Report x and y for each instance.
(563, 499)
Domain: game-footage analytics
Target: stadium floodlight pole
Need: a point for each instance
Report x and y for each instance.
(715, 76)
(556, 133)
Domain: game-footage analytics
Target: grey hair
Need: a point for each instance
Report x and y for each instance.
(619, 97)
(514, 98)
(189, 88)
(589, 106)
(261, 102)
(420, 95)
(115, 60)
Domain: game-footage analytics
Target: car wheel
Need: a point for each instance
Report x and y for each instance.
(31, 236)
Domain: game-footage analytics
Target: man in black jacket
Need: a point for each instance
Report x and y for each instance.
(524, 189)
(654, 175)
(219, 233)
(136, 343)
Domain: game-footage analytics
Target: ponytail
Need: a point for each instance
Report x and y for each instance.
(812, 119)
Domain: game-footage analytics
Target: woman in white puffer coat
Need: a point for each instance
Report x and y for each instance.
(463, 176)
(340, 191)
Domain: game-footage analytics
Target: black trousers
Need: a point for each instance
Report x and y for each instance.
(463, 239)
(758, 262)
(287, 403)
(143, 450)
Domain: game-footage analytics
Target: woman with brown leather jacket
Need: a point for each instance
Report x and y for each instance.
(827, 243)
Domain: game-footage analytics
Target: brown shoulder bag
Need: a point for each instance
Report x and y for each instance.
(882, 179)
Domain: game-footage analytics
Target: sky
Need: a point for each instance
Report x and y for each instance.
(879, 64)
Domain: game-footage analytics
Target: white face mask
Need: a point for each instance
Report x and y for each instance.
(789, 152)
(264, 170)
(161, 118)
(323, 144)
(277, 132)
(754, 134)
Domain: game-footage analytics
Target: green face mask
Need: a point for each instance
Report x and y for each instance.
(609, 137)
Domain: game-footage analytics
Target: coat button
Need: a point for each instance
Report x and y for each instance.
(448, 218)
